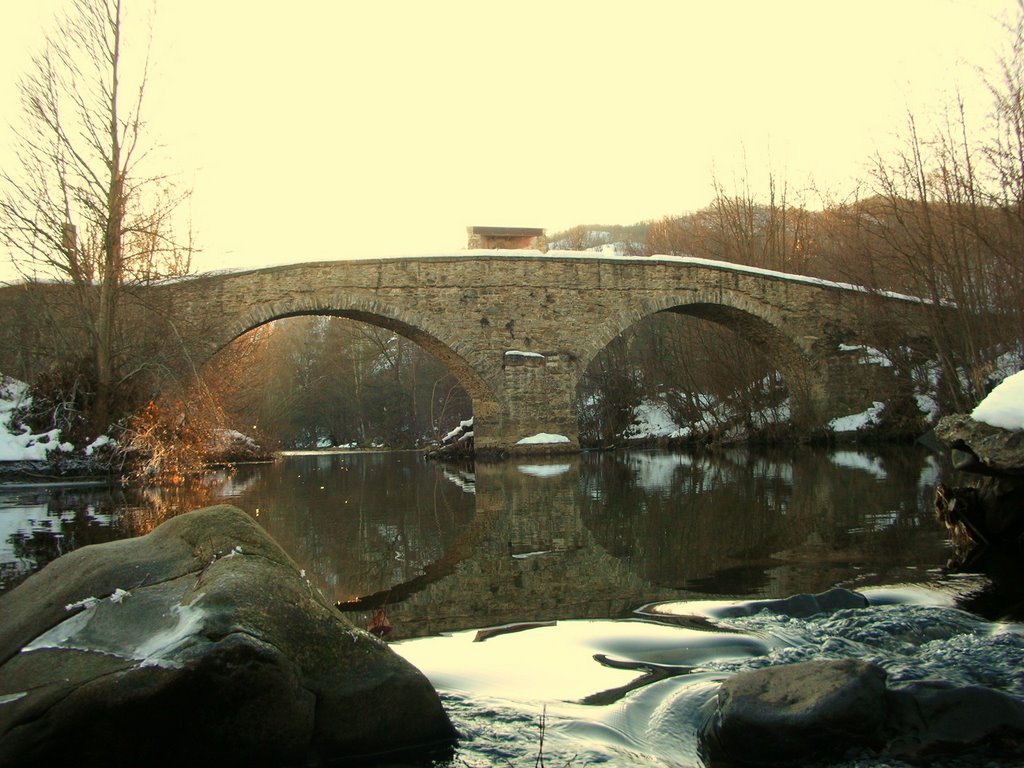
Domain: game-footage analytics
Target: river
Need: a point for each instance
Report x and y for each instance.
(599, 561)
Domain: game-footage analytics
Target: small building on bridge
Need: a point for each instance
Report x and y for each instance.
(512, 238)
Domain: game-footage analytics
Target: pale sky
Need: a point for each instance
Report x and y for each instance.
(325, 129)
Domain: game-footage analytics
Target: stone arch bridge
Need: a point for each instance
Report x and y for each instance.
(518, 329)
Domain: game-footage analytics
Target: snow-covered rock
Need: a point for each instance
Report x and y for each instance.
(1004, 406)
(987, 445)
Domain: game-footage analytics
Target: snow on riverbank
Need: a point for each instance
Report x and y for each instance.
(652, 420)
(855, 422)
(543, 438)
(19, 445)
(1003, 408)
(18, 442)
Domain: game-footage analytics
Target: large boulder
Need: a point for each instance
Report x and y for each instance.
(981, 448)
(198, 643)
(794, 713)
(988, 508)
(933, 717)
(822, 710)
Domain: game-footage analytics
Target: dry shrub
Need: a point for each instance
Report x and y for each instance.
(164, 445)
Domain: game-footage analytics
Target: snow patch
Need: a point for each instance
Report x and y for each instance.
(154, 651)
(87, 603)
(928, 405)
(1004, 406)
(652, 419)
(96, 444)
(543, 438)
(528, 555)
(857, 421)
(868, 355)
(520, 353)
(151, 650)
(462, 432)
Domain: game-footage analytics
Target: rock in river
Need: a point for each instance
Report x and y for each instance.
(797, 606)
(786, 714)
(199, 643)
(821, 710)
(988, 509)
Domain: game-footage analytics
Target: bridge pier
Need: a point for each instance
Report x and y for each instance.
(842, 383)
(538, 396)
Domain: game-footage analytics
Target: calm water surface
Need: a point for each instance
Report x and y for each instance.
(605, 555)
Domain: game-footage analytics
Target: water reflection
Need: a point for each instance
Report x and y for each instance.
(769, 524)
(591, 536)
(40, 522)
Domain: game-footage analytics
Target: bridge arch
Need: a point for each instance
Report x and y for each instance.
(417, 330)
(758, 322)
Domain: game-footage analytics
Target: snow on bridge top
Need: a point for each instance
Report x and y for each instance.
(507, 254)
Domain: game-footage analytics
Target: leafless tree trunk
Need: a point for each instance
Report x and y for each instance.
(77, 209)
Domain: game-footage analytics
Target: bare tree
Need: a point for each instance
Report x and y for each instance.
(671, 236)
(76, 208)
(579, 238)
(1004, 156)
(929, 223)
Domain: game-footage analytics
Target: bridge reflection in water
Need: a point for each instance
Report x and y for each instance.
(580, 536)
(595, 535)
